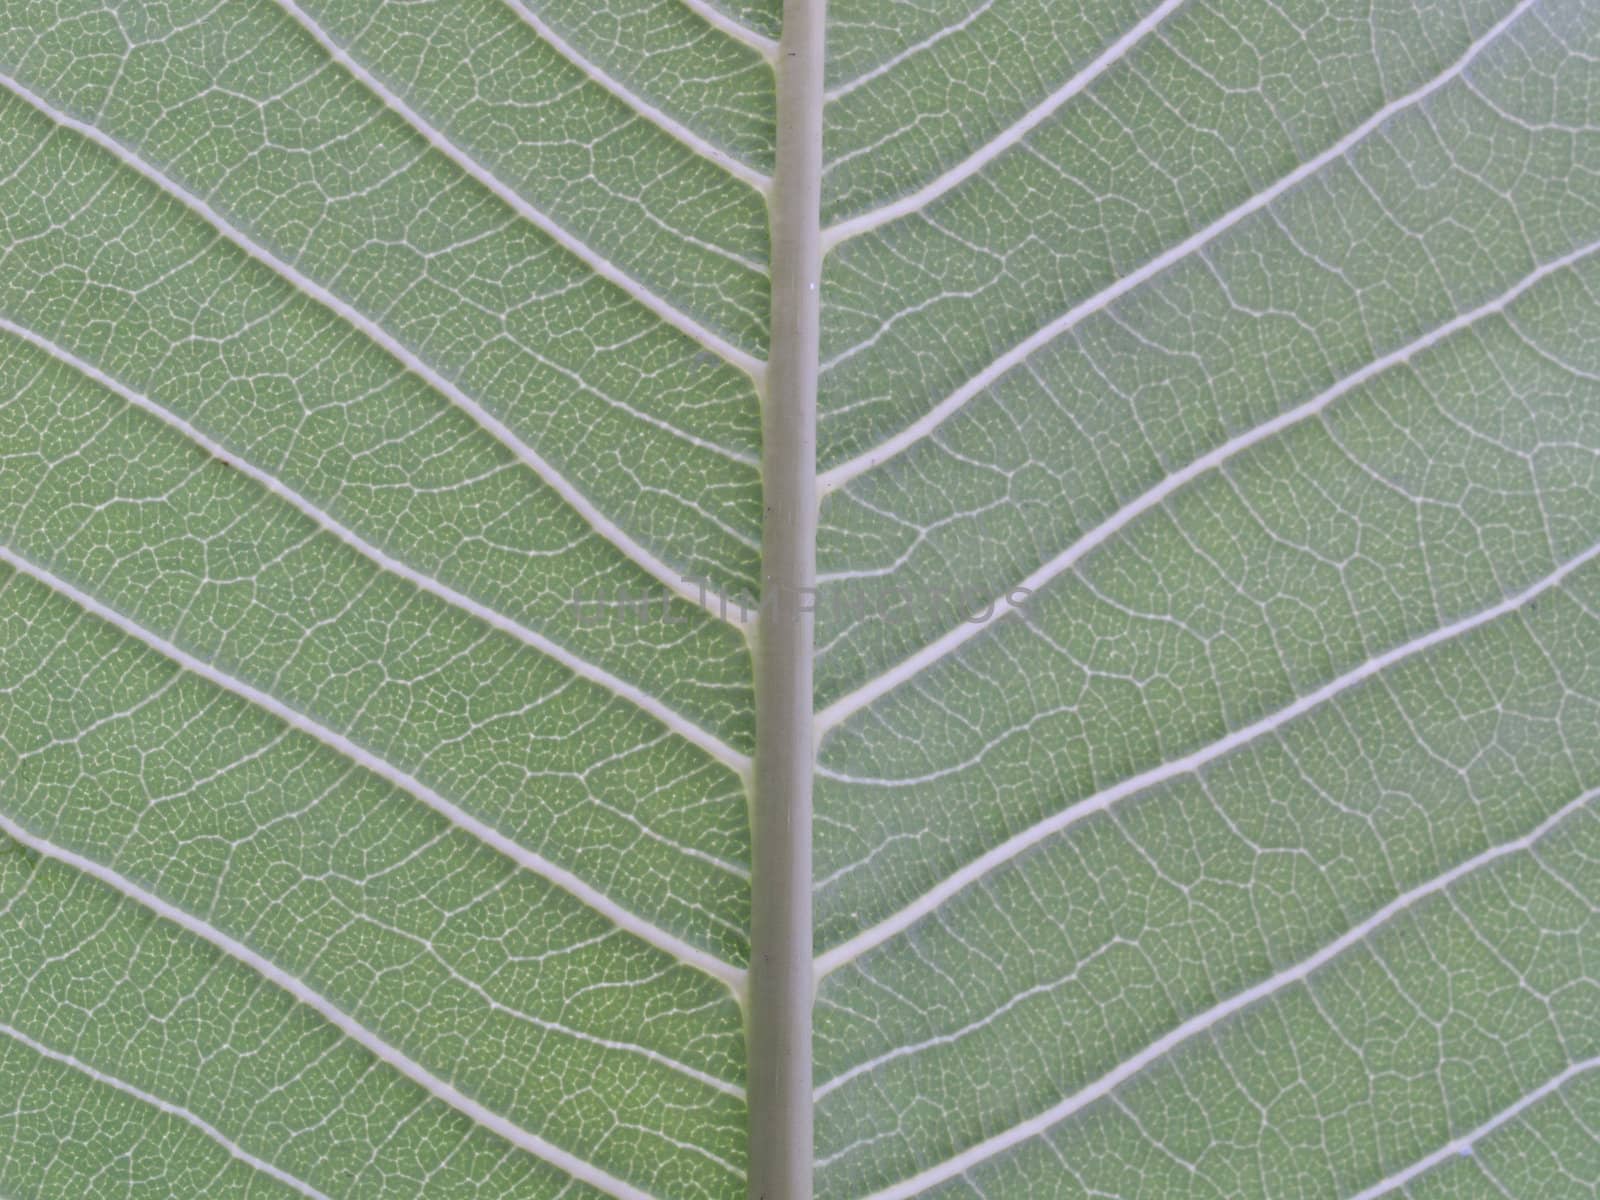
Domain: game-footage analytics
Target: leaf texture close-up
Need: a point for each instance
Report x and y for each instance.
(676, 599)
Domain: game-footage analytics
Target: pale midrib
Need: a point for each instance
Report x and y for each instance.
(591, 258)
(1018, 844)
(1207, 1020)
(838, 476)
(673, 579)
(392, 1057)
(712, 745)
(210, 1131)
(553, 873)
(910, 668)
(664, 121)
(782, 983)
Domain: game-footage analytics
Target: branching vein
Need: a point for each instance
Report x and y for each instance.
(670, 577)
(560, 876)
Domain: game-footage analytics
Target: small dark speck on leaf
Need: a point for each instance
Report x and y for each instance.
(704, 358)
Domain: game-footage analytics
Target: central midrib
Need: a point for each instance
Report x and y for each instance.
(781, 980)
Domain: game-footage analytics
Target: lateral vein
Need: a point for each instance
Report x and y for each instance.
(591, 258)
(835, 94)
(599, 676)
(664, 121)
(669, 577)
(669, 943)
(838, 476)
(1207, 1020)
(844, 230)
(846, 706)
(349, 1026)
(1464, 1143)
(175, 1110)
(1013, 846)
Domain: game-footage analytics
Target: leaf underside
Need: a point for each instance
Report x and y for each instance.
(1208, 638)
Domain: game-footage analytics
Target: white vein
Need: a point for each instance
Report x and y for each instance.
(1021, 842)
(560, 876)
(920, 428)
(639, 698)
(1462, 1145)
(911, 1049)
(591, 258)
(599, 676)
(174, 1110)
(847, 705)
(739, 32)
(603, 525)
(911, 51)
(989, 151)
(1209, 1019)
(349, 1026)
(662, 120)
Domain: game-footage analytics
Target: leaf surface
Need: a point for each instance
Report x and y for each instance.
(1207, 644)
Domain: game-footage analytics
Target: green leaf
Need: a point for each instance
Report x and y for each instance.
(396, 400)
